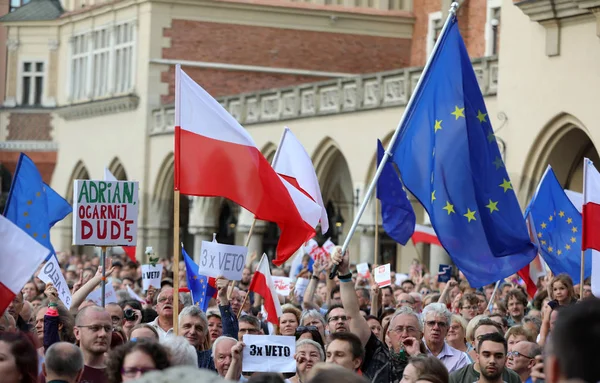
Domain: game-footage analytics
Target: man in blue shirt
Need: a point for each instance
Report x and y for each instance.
(522, 359)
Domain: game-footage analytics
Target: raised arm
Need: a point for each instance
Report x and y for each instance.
(85, 290)
(309, 294)
(358, 324)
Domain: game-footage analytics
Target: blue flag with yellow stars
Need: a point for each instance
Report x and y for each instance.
(32, 205)
(397, 215)
(449, 159)
(202, 288)
(556, 224)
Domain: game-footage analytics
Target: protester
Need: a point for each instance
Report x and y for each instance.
(311, 333)
(468, 306)
(215, 325)
(63, 363)
(221, 353)
(182, 353)
(522, 359)
(516, 302)
(457, 334)
(423, 365)
(345, 349)
(18, 358)
(133, 359)
(144, 331)
(491, 358)
(337, 319)
(308, 354)
(7, 323)
(289, 321)
(164, 307)
(93, 330)
(561, 290)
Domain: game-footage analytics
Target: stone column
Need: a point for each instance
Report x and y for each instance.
(52, 73)
(11, 72)
(245, 219)
(159, 237)
(367, 243)
(201, 234)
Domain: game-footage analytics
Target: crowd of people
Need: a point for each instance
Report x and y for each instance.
(415, 330)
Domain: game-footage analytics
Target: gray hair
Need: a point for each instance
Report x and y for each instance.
(405, 310)
(304, 342)
(182, 353)
(194, 311)
(219, 340)
(536, 321)
(438, 309)
(312, 314)
(186, 299)
(64, 359)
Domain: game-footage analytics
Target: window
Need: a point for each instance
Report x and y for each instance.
(14, 4)
(32, 83)
(492, 27)
(434, 29)
(102, 62)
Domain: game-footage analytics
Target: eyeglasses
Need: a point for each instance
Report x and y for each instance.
(341, 318)
(96, 328)
(302, 329)
(470, 308)
(164, 299)
(432, 324)
(517, 353)
(248, 331)
(401, 329)
(132, 372)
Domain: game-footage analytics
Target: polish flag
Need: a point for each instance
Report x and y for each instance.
(20, 256)
(293, 163)
(425, 234)
(262, 284)
(216, 157)
(129, 250)
(590, 236)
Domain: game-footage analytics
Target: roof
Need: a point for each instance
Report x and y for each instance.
(35, 10)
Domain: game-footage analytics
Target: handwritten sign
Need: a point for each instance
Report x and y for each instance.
(445, 273)
(50, 273)
(151, 276)
(269, 353)
(383, 275)
(310, 246)
(218, 260)
(283, 285)
(105, 213)
(109, 295)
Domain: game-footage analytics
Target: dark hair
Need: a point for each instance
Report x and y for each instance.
(434, 378)
(487, 322)
(386, 312)
(576, 335)
(516, 294)
(364, 293)
(116, 357)
(266, 377)
(492, 337)
(429, 365)
(333, 307)
(25, 354)
(131, 302)
(148, 315)
(64, 359)
(369, 317)
(408, 281)
(538, 299)
(314, 332)
(566, 280)
(469, 298)
(502, 318)
(250, 319)
(355, 344)
(335, 373)
(335, 290)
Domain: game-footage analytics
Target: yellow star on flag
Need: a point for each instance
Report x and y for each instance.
(568, 247)
(438, 125)
(195, 277)
(432, 196)
(574, 229)
(550, 218)
(561, 214)
(506, 185)
(491, 137)
(493, 206)
(550, 249)
(539, 235)
(38, 194)
(543, 242)
(449, 207)
(470, 215)
(29, 202)
(27, 226)
(44, 236)
(569, 220)
(34, 235)
(458, 112)
(544, 225)
(481, 116)
(498, 162)
(559, 251)
(573, 239)
(25, 214)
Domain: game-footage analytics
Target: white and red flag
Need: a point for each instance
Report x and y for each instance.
(129, 250)
(590, 237)
(262, 284)
(216, 157)
(20, 256)
(425, 234)
(293, 163)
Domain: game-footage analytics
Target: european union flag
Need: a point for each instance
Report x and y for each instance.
(449, 159)
(32, 205)
(202, 288)
(556, 224)
(397, 215)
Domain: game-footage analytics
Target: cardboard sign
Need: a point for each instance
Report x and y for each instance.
(445, 273)
(50, 273)
(105, 213)
(283, 285)
(218, 260)
(134, 295)
(383, 275)
(109, 295)
(363, 270)
(151, 276)
(301, 285)
(269, 353)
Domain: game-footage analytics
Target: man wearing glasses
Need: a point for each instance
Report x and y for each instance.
(93, 330)
(164, 307)
(522, 359)
(337, 319)
(436, 320)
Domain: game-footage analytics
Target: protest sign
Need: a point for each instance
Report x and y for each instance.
(283, 285)
(363, 270)
(151, 276)
(218, 260)
(328, 246)
(105, 213)
(134, 295)
(300, 286)
(310, 246)
(50, 273)
(109, 294)
(445, 273)
(383, 275)
(269, 353)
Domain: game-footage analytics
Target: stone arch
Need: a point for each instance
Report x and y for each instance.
(269, 151)
(562, 143)
(336, 187)
(79, 172)
(117, 169)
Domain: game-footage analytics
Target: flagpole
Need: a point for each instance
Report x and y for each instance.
(582, 273)
(248, 292)
(491, 303)
(388, 154)
(232, 286)
(176, 255)
(376, 262)
(103, 263)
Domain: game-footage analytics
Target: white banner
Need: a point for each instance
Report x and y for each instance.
(300, 287)
(218, 260)
(105, 213)
(383, 275)
(283, 285)
(328, 246)
(50, 273)
(151, 276)
(269, 353)
(109, 294)
(134, 295)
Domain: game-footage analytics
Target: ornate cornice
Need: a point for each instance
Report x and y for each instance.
(28, 146)
(363, 92)
(99, 108)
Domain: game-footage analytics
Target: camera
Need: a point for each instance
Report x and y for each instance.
(130, 315)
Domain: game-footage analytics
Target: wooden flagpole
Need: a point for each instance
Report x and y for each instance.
(248, 292)
(232, 286)
(176, 255)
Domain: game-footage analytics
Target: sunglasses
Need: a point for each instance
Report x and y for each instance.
(302, 329)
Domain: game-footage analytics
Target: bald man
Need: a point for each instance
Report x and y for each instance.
(63, 363)
(93, 330)
(522, 359)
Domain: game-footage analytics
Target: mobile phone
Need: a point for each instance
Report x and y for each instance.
(553, 304)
